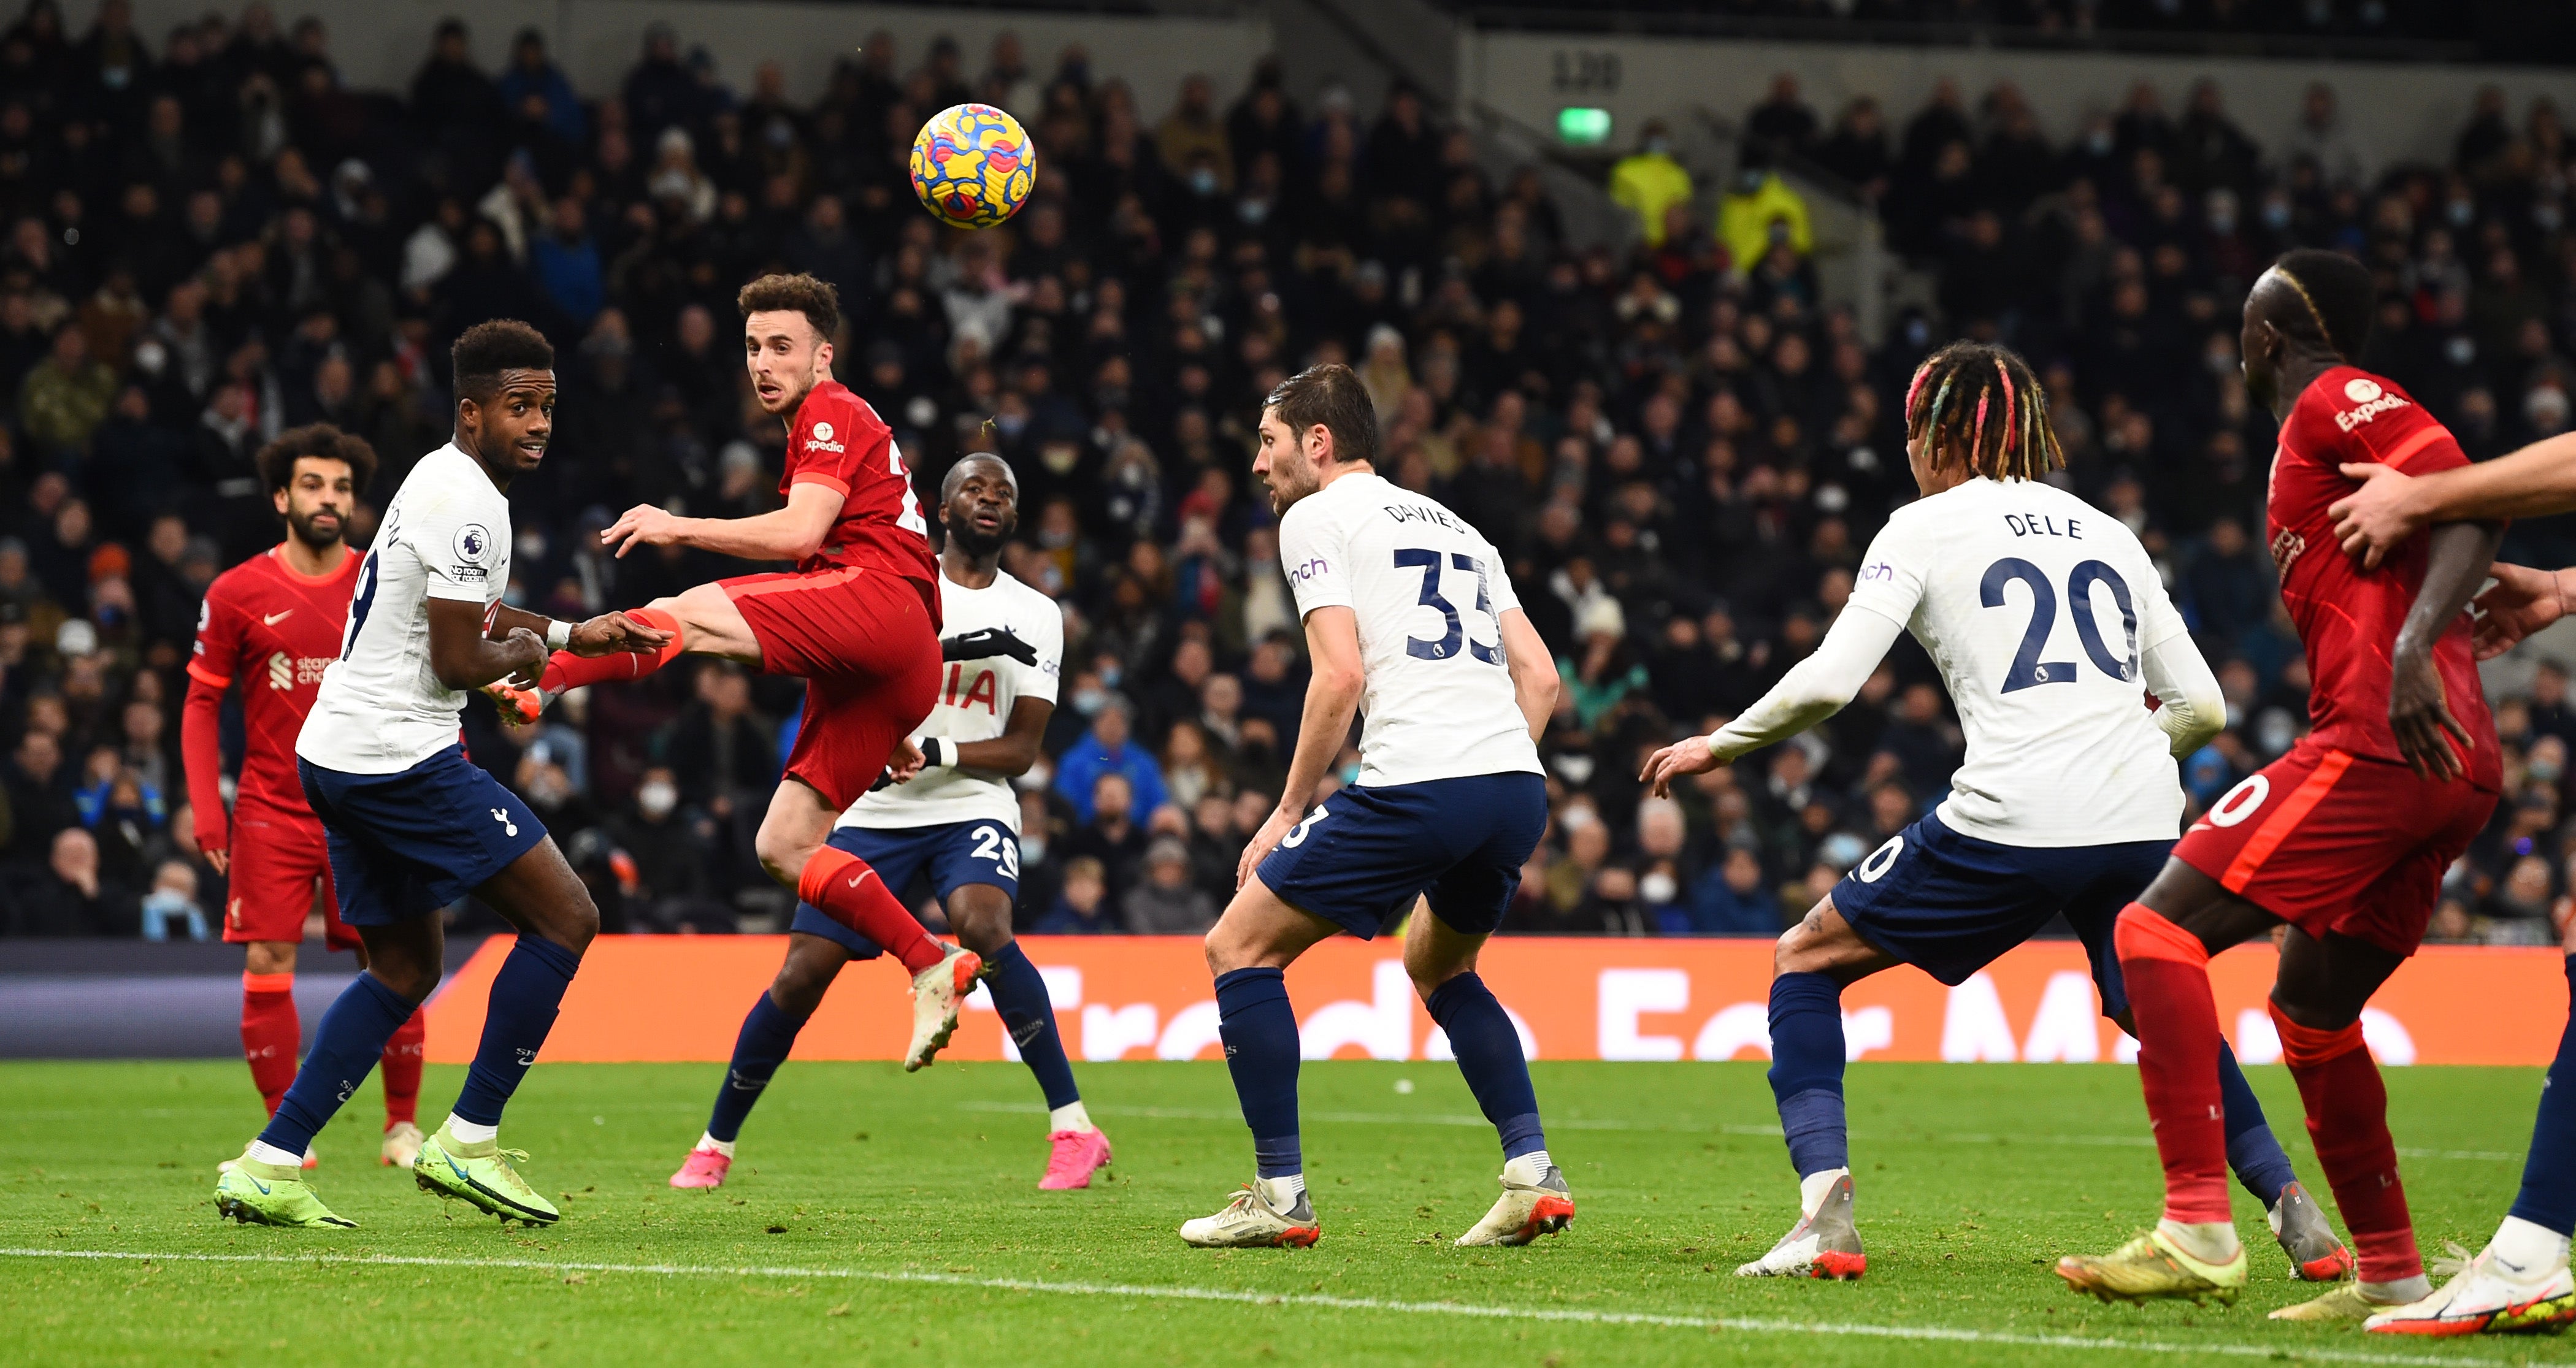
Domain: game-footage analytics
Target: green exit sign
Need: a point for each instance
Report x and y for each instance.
(1582, 126)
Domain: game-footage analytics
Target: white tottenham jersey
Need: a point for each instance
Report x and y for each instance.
(1429, 593)
(2038, 608)
(975, 702)
(446, 535)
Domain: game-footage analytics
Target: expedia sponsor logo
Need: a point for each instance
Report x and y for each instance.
(2370, 399)
(820, 439)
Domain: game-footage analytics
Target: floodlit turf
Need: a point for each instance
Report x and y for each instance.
(874, 1217)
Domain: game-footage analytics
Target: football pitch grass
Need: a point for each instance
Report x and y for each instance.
(878, 1217)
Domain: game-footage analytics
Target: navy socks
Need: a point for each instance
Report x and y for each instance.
(768, 1034)
(1807, 1070)
(1020, 996)
(2548, 1196)
(1260, 1033)
(2251, 1149)
(347, 1043)
(525, 996)
(1489, 1055)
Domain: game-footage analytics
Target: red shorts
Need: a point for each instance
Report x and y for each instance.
(866, 643)
(2331, 841)
(279, 864)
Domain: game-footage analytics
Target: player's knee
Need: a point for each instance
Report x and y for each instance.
(984, 930)
(413, 980)
(800, 986)
(270, 957)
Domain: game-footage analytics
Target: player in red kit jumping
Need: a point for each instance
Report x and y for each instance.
(272, 623)
(858, 619)
(2345, 837)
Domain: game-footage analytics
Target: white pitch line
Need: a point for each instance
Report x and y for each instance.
(1936, 1334)
(1454, 1119)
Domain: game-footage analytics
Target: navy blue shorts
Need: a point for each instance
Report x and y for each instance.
(982, 851)
(1950, 904)
(405, 845)
(1364, 854)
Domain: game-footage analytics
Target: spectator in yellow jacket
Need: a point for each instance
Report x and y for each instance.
(1756, 200)
(1648, 181)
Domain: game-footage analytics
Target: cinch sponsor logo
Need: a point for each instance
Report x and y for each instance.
(1310, 570)
(1880, 570)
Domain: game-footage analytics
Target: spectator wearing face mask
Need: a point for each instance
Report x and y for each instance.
(663, 844)
(170, 909)
(1648, 181)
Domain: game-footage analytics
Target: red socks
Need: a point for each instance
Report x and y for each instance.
(564, 670)
(2347, 1109)
(2167, 969)
(270, 1033)
(400, 1067)
(849, 892)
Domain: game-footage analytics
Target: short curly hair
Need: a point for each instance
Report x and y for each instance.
(485, 350)
(800, 293)
(321, 442)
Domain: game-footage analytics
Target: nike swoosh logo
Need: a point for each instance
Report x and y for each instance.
(275, 618)
(862, 878)
(263, 1187)
(2518, 1270)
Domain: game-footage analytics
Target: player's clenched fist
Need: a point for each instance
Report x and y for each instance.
(2520, 602)
(1672, 762)
(642, 525)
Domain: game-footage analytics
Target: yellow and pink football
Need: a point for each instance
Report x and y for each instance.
(973, 166)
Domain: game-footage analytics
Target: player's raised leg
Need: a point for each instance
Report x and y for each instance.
(792, 846)
(1442, 963)
(545, 902)
(1249, 951)
(768, 1034)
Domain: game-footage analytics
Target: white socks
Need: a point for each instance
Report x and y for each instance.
(1281, 1194)
(469, 1132)
(270, 1154)
(712, 1144)
(1528, 1169)
(2402, 1292)
(1813, 1187)
(2208, 1241)
(2527, 1252)
(1069, 1117)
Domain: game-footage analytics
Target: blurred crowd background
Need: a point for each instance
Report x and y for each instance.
(1682, 453)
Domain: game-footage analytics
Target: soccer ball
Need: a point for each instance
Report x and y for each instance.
(972, 166)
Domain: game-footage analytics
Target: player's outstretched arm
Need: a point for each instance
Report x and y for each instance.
(1533, 667)
(1332, 698)
(463, 657)
(2520, 602)
(2417, 711)
(2535, 482)
(2194, 708)
(201, 756)
(788, 534)
(1814, 689)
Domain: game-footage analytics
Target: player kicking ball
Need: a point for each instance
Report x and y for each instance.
(412, 824)
(2067, 802)
(858, 620)
(273, 622)
(1408, 611)
(2520, 1282)
(957, 819)
(2344, 838)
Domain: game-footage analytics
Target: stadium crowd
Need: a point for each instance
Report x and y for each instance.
(1681, 451)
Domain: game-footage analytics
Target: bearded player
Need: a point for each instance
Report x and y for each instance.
(273, 623)
(2521, 1280)
(958, 822)
(2345, 838)
(858, 620)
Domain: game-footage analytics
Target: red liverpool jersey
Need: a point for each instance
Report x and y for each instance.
(274, 631)
(2348, 617)
(840, 443)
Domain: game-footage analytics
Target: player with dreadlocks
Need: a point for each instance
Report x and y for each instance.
(2045, 617)
(2344, 838)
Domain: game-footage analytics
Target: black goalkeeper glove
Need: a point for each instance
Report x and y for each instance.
(988, 642)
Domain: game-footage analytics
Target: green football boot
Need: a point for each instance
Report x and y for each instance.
(481, 1174)
(254, 1193)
